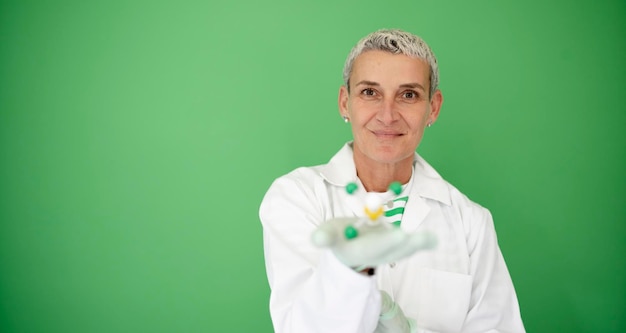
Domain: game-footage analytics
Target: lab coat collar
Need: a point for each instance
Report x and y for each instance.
(427, 183)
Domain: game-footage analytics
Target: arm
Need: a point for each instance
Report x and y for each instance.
(311, 291)
(493, 303)
(392, 318)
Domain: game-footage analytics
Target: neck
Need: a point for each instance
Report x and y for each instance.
(377, 176)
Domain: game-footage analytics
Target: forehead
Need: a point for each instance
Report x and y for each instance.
(388, 68)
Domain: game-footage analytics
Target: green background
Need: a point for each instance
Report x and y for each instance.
(138, 138)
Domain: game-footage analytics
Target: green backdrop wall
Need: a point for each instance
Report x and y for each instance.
(138, 138)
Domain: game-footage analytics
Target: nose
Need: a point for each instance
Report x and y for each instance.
(387, 113)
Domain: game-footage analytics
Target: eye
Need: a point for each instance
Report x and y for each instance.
(409, 94)
(368, 92)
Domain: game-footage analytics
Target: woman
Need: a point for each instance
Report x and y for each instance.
(389, 98)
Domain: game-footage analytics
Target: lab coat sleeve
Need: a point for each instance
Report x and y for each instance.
(311, 291)
(493, 304)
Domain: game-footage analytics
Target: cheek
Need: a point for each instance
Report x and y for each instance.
(416, 122)
(360, 113)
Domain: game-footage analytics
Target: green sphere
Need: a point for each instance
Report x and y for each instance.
(351, 187)
(395, 187)
(351, 232)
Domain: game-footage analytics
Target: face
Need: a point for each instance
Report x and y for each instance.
(388, 106)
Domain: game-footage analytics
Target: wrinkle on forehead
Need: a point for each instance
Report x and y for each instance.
(391, 70)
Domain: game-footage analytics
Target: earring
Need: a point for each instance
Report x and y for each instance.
(430, 123)
(345, 119)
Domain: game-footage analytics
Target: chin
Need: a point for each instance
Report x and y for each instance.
(388, 153)
(390, 156)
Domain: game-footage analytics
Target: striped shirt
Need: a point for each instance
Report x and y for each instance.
(393, 208)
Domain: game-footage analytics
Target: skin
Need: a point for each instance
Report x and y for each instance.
(388, 108)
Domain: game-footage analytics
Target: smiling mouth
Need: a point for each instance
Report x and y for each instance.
(387, 135)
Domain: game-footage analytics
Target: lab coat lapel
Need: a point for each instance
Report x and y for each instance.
(338, 173)
(415, 211)
(356, 205)
(427, 185)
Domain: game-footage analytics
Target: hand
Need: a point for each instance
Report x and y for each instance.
(361, 242)
(392, 319)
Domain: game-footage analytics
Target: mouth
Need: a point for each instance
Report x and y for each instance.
(387, 134)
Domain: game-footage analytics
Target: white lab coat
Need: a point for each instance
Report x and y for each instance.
(461, 286)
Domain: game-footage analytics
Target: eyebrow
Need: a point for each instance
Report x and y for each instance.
(367, 83)
(413, 85)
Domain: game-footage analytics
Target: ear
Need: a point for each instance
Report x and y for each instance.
(435, 106)
(343, 101)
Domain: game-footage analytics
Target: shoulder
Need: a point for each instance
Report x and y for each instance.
(468, 217)
(299, 188)
(475, 220)
(302, 179)
(311, 181)
(462, 201)
(451, 198)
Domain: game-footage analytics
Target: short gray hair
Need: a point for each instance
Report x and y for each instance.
(397, 42)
